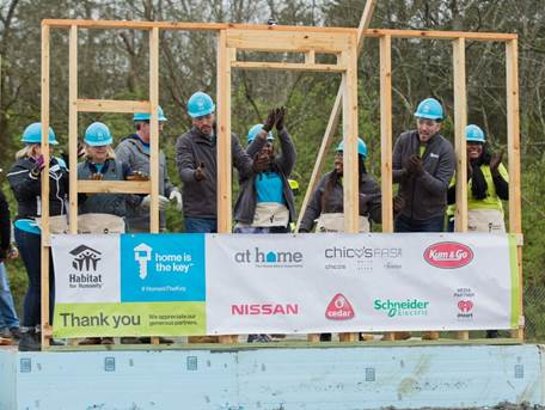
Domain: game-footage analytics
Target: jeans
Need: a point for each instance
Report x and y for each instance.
(406, 224)
(201, 225)
(8, 316)
(29, 245)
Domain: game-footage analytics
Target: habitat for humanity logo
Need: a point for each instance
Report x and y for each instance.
(85, 263)
(407, 307)
(270, 258)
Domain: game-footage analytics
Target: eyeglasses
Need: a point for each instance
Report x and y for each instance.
(203, 117)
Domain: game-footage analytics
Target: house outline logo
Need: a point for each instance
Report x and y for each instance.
(85, 258)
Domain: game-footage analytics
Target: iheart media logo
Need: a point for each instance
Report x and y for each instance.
(339, 308)
(465, 306)
(448, 255)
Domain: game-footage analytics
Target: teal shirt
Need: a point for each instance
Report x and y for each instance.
(269, 187)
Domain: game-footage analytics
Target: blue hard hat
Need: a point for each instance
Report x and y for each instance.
(146, 116)
(200, 104)
(430, 109)
(362, 148)
(33, 134)
(98, 134)
(256, 129)
(474, 133)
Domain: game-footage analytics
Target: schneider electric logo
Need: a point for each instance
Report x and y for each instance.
(270, 258)
(407, 307)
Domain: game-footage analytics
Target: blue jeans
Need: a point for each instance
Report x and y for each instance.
(8, 316)
(30, 250)
(405, 224)
(200, 225)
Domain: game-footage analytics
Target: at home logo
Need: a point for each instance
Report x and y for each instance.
(270, 258)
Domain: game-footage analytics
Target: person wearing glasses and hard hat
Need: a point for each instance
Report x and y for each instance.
(265, 203)
(135, 152)
(326, 206)
(423, 165)
(196, 159)
(25, 181)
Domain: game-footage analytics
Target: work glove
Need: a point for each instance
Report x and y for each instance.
(97, 176)
(199, 172)
(398, 203)
(280, 116)
(138, 176)
(414, 166)
(364, 201)
(163, 202)
(495, 162)
(177, 196)
(38, 166)
(270, 121)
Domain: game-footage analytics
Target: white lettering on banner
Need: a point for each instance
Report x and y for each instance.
(448, 255)
(265, 309)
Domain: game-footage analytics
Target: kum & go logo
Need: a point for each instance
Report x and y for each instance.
(408, 307)
(448, 255)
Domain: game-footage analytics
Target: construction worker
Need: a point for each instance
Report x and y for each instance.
(9, 322)
(265, 203)
(197, 165)
(487, 186)
(25, 180)
(105, 212)
(326, 206)
(423, 164)
(135, 152)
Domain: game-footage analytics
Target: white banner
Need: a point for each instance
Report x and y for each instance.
(362, 282)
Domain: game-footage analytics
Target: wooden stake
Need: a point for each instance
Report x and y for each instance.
(154, 128)
(73, 128)
(460, 121)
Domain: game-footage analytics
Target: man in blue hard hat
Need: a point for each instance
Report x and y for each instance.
(196, 159)
(135, 152)
(423, 165)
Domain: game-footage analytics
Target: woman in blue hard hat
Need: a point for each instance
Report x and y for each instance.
(265, 203)
(487, 186)
(25, 180)
(325, 209)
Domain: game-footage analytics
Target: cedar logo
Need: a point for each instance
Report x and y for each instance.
(448, 255)
(339, 308)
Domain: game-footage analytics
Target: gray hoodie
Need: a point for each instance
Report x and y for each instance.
(425, 196)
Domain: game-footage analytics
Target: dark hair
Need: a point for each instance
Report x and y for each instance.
(334, 178)
(479, 187)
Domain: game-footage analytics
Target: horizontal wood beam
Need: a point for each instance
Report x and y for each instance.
(260, 65)
(114, 187)
(125, 106)
(440, 35)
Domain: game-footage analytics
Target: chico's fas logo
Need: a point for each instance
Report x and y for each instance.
(448, 255)
(465, 306)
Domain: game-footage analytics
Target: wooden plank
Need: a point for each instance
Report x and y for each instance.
(121, 106)
(154, 128)
(264, 65)
(386, 133)
(441, 35)
(301, 41)
(333, 121)
(224, 134)
(44, 254)
(350, 150)
(73, 128)
(114, 187)
(513, 147)
(310, 57)
(460, 122)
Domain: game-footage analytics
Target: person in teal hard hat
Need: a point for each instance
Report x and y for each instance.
(25, 178)
(487, 185)
(265, 203)
(196, 160)
(324, 212)
(135, 152)
(423, 164)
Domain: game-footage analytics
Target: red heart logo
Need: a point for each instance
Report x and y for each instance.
(465, 305)
(339, 308)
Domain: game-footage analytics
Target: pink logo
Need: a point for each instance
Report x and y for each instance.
(465, 306)
(448, 255)
(339, 308)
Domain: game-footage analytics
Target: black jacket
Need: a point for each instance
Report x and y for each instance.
(5, 227)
